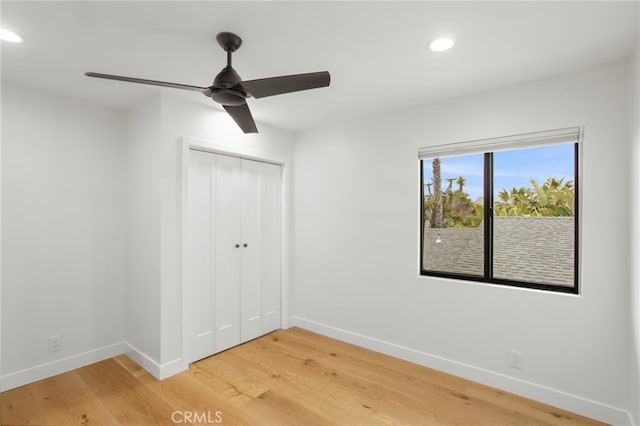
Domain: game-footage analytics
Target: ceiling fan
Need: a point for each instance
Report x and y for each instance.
(229, 90)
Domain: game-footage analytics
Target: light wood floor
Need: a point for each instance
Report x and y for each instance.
(289, 377)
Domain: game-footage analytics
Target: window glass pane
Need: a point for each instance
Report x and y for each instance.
(534, 208)
(453, 215)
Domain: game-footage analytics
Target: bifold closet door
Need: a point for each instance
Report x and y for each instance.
(233, 251)
(227, 172)
(260, 258)
(213, 261)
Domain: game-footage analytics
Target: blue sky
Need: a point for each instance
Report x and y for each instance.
(513, 168)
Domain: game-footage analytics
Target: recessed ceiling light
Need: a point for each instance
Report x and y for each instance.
(10, 36)
(441, 44)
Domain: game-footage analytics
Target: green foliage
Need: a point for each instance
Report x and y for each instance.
(458, 210)
(454, 209)
(553, 198)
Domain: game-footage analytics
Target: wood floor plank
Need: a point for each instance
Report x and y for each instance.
(289, 377)
(126, 398)
(62, 399)
(185, 394)
(276, 408)
(217, 383)
(309, 390)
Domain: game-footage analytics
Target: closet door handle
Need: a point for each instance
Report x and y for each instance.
(245, 244)
(237, 245)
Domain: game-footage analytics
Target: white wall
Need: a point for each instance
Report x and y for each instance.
(0, 228)
(634, 133)
(143, 163)
(356, 233)
(63, 241)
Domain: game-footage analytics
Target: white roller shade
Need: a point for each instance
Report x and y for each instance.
(525, 140)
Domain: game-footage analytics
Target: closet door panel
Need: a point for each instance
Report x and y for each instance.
(270, 245)
(251, 271)
(200, 288)
(226, 264)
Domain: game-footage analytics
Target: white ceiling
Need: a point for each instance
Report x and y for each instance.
(375, 51)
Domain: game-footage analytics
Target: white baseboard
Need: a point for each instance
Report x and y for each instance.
(43, 371)
(172, 368)
(159, 371)
(545, 394)
(53, 368)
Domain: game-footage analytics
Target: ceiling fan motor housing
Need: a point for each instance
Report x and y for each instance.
(228, 97)
(225, 89)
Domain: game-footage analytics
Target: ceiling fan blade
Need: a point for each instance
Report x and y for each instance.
(286, 84)
(204, 90)
(242, 116)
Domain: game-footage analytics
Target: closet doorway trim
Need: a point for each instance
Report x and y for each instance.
(189, 143)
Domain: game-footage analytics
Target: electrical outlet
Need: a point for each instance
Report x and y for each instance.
(515, 359)
(54, 343)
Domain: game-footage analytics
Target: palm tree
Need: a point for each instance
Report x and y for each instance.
(450, 180)
(461, 181)
(437, 193)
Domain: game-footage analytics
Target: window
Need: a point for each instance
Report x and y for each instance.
(503, 211)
